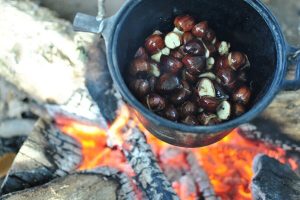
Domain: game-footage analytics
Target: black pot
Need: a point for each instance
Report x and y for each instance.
(247, 24)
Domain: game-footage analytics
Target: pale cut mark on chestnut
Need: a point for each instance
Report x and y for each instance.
(207, 53)
(224, 110)
(224, 48)
(210, 63)
(209, 75)
(214, 41)
(176, 30)
(206, 88)
(172, 40)
(157, 56)
(154, 69)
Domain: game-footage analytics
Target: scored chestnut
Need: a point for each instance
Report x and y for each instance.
(167, 83)
(155, 102)
(209, 36)
(140, 87)
(222, 62)
(208, 103)
(190, 120)
(187, 37)
(208, 119)
(227, 77)
(141, 53)
(139, 65)
(220, 92)
(154, 43)
(152, 82)
(194, 47)
(205, 87)
(194, 64)
(176, 54)
(180, 96)
(171, 113)
(171, 64)
(242, 95)
(200, 29)
(188, 76)
(236, 60)
(238, 109)
(184, 23)
(188, 108)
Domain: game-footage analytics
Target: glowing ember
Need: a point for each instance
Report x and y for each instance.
(228, 163)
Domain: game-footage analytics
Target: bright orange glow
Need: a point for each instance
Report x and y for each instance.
(228, 162)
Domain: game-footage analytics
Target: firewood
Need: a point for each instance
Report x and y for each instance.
(273, 180)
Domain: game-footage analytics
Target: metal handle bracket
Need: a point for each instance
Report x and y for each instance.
(293, 59)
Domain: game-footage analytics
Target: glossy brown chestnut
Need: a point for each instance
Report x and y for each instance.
(170, 64)
(176, 54)
(186, 86)
(194, 64)
(242, 95)
(140, 87)
(171, 113)
(208, 119)
(141, 53)
(200, 29)
(190, 120)
(236, 60)
(139, 65)
(152, 82)
(187, 37)
(210, 35)
(194, 47)
(187, 108)
(167, 83)
(154, 43)
(180, 96)
(222, 62)
(155, 102)
(220, 92)
(184, 23)
(238, 109)
(227, 77)
(209, 104)
(189, 77)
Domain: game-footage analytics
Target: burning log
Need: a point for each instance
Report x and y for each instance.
(102, 184)
(201, 178)
(45, 155)
(273, 180)
(148, 174)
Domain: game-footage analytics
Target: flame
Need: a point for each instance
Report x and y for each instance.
(228, 162)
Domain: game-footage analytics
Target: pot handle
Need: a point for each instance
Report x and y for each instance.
(293, 60)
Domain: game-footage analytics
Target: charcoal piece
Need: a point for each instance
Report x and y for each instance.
(273, 180)
(12, 144)
(99, 82)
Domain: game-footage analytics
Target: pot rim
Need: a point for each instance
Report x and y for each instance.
(273, 89)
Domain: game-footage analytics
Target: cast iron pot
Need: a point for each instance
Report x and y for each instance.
(247, 24)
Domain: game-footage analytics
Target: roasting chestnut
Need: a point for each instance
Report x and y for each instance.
(208, 119)
(242, 95)
(171, 64)
(180, 96)
(167, 83)
(190, 120)
(220, 92)
(227, 77)
(155, 102)
(188, 76)
(173, 40)
(154, 43)
(141, 53)
(176, 54)
(194, 64)
(156, 57)
(236, 60)
(187, 37)
(200, 29)
(188, 108)
(209, 36)
(222, 62)
(194, 47)
(205, 87)
(208, 103)
(154, 68)
(140, 87)
(184, 23)
(152, 82)
(139, 65)
(238, 109)
(171, 113)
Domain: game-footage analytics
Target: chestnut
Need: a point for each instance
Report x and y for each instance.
(139, 65)
(238, 109)
(205, 87)
(155, 102)
(167, 83)
(152, 82)
(156, 57)
(209, 36)
(194, 64)
(200, 29)
(188, 76)
(236, 60)
(173, 40)
(140, 87)
(194, 47)
(141, 53)
(227, 77)
(171, 64)
(190, 120)
(180, 96)
(176, 54)
(154, 43)
(184, 23)
(242, 95)
(220, 92)
(222, 62)
(211, 49)
(171, 113)
(208, 119)
(186, 86)
(188, 108)
(224, 110)
(208, 103)
(187, 37)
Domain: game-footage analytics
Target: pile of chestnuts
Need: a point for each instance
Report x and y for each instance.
(189, 76)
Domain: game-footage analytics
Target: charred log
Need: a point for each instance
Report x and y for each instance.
(273, 180)
(45, 155)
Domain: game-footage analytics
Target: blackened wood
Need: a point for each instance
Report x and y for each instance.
(201, 177)
(273, 180)
(46, 154)
(12, 144)
(78, 186)
(149, 176)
